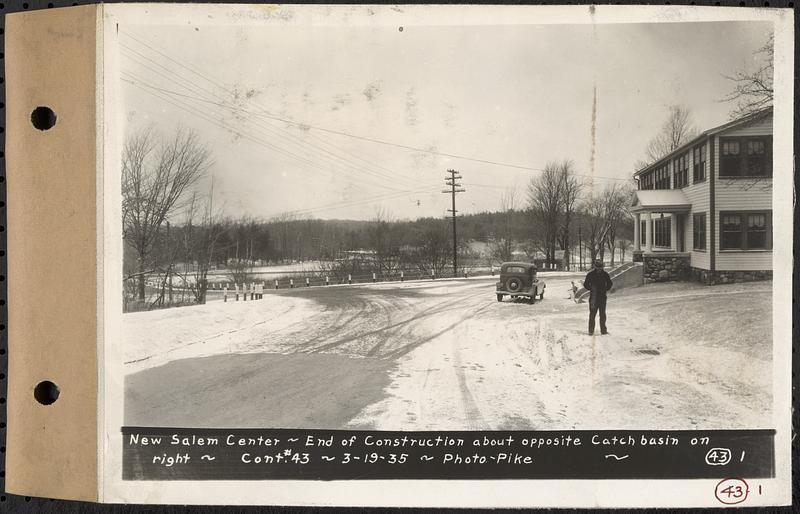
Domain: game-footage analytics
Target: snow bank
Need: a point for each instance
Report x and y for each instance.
(154, 337)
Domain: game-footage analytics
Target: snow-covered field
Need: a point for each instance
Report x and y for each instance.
(446, 355)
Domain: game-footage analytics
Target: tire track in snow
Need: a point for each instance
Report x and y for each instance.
(473, 416)
(437, 308)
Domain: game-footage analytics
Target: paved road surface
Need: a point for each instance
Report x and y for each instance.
(447, 355)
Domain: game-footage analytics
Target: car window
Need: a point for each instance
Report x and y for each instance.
(515, 269)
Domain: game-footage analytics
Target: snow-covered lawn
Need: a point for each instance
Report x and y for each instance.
(154, 337)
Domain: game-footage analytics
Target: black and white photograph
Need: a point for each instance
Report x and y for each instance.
(383, 224)
(399, 256)
(444, 226)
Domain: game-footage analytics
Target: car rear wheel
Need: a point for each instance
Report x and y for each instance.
(513, 284)
(499, 298)
(541, 295)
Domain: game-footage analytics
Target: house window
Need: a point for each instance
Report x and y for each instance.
(662, 177)
(661, 229)
(746, 157)
(757, 231)
(681, 167)
(699, 169)
(746, 230)
(731, 232)
(757, 165)
(699, 231)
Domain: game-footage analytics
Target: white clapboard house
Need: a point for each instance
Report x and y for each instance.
(704, 211)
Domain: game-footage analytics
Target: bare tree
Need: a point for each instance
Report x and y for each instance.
(381, 237)
(618, 201)
(753, 89)
(595, 229)
(243, 234)
(200, 242)
(155, 176)
(503, 246)
(545, 199)
(435, 247)
(603, 213)
(571, 190)
(283, 224)
(676, 130)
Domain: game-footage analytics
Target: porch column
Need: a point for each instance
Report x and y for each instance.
(648, 232)
(673, 232)
(637, 236)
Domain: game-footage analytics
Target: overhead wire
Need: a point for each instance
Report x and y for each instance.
(275, 131)
(364, 138)
(193, 110)
(139, 82)
(335, 205)
(187, 107)
(351, 203)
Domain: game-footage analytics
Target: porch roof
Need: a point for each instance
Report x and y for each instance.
(661, 200)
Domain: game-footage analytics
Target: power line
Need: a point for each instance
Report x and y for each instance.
(193, 87)
(193, 110)
(363, 138)
(350, 203)
(335, 205)
(272, 130)
(190, 109)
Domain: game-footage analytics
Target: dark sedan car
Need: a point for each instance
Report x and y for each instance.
(519, 279)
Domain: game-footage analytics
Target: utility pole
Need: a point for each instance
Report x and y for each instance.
(454, 188)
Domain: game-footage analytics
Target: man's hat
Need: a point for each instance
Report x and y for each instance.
(598, 263)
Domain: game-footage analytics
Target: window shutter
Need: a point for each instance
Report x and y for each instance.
(769, 230)
(768, 153)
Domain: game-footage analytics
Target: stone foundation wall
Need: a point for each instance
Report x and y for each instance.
(666, 268)
(637, 255)
(671, 267)
(727, 277)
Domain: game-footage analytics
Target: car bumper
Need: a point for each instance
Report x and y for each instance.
(537, 289)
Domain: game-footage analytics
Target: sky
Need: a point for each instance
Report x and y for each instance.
(332, 122)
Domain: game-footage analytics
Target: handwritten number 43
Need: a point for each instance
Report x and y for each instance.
(733, 491)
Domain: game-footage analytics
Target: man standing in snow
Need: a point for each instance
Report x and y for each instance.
(598, 283)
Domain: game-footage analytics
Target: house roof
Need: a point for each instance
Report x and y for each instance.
(660, 200)
(706, 133)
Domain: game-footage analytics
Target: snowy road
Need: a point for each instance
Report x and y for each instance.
(446, 355)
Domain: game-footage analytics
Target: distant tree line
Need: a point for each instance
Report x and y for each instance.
(174, 232)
